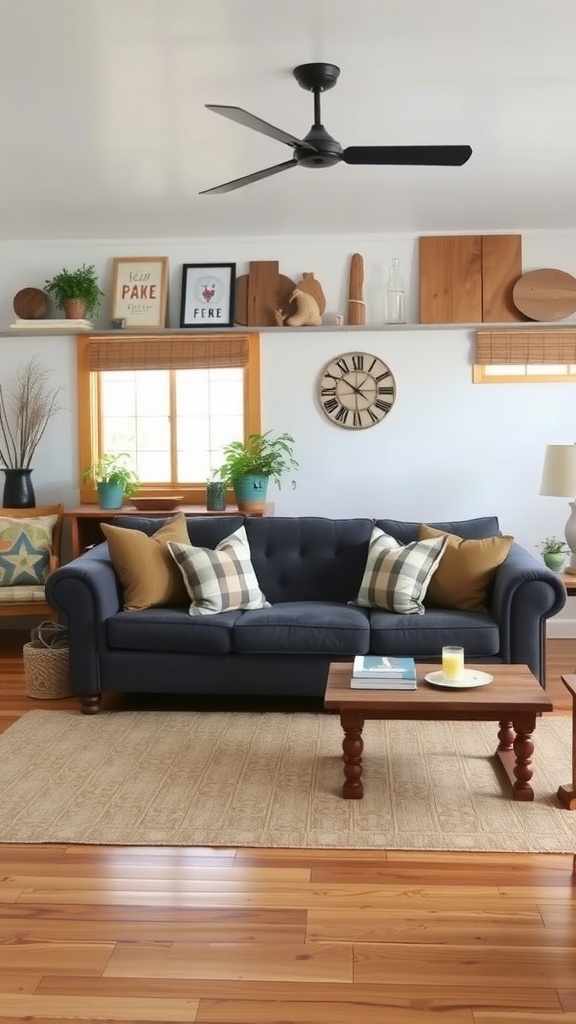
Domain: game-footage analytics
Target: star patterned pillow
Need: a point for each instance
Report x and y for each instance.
(25, 549)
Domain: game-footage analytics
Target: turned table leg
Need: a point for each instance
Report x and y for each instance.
(515, 749)
(567, 794)
(352, 746)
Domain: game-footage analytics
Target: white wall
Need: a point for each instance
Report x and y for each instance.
(448, 449)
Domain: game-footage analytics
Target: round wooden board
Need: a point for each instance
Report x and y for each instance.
(545, 294)
(30, 304)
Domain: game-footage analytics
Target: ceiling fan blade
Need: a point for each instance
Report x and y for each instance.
(229, 186)
(439, 156)
(251, 121)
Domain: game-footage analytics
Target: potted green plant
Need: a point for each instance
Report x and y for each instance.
(76, 291)
(554, 553)
(114, 478)
(249, 465)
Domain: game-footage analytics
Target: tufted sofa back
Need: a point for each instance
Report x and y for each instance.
(308, 558)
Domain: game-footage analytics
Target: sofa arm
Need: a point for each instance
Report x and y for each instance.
(85, 592)
(525, 594)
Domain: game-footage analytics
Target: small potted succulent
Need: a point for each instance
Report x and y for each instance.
(114, 478)
(76, 291)
(554, 553)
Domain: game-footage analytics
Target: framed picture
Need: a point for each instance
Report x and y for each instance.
(207, 295)
(140, 290)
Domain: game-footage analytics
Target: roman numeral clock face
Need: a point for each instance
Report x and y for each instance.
(356, 390)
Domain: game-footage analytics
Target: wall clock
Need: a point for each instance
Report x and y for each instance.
(356, 390)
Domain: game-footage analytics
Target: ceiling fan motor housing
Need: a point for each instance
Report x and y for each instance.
(327, 151)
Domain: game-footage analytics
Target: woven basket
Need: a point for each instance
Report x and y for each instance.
(46, 672)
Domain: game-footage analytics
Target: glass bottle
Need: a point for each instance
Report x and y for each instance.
(395, 295)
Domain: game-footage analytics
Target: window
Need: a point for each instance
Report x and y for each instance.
(170, 402)
(506, 357)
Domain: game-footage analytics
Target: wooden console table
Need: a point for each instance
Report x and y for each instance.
(569, 581)
(85, 520)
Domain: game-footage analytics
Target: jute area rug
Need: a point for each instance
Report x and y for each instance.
(245, 778)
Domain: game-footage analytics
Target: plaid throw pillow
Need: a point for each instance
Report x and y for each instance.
(25, 548)
(396, 578)
(219, 580)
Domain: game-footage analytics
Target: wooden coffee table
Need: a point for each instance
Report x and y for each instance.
(514, 699)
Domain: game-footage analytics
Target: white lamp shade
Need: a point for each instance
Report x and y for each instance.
(559, 471)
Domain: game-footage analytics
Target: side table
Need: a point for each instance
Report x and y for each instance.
(569, 582)
(85, 520)
(567, 794)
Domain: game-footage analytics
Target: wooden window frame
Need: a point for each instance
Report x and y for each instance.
(89, 413)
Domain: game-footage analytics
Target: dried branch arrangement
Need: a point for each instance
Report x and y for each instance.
(25, 410)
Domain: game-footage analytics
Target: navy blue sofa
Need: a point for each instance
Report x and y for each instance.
(309, 568)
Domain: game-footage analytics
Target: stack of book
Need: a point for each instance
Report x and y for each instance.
(372, 672)
(51, 325)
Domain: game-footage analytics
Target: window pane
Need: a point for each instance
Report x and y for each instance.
(208, 413)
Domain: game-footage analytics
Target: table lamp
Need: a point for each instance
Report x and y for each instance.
(559, 480)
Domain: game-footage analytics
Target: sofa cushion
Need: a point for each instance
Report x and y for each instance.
(396, 578)
(466, 572)
(423, 637)
(405, 532)
(219, 580)
(171, 630)
(303, 627)
(144, 566)
(25, 549)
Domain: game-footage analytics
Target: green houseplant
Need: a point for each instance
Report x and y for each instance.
(76, 291)
(114, 478)
(554, 551)
(249, 464)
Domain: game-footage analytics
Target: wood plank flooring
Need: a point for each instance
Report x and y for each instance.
(112, 934)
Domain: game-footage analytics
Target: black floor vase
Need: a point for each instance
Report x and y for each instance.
(18, 490)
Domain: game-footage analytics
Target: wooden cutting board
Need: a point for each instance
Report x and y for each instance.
(501, 269)
(261, 291)
(545, 294)
(469, 278)
(450, 279)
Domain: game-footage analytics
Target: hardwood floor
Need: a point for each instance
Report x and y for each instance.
(277, 936)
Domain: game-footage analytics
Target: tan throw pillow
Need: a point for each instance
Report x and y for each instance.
(466, 572)
(144, 566)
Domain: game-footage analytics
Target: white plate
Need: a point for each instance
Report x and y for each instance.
(471, 678)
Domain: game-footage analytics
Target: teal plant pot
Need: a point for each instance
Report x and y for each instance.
(110, 495)
(250, 493)
(555, 561)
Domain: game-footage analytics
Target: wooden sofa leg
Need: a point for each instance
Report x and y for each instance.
(90, 705)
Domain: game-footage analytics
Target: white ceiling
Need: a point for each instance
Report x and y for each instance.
(104, 132)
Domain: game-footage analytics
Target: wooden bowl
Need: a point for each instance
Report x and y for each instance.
(161, 504)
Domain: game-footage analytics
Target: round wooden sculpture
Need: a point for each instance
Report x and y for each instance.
(30, 304)
(545, 294)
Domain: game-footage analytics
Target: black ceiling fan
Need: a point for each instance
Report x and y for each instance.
(318, 148)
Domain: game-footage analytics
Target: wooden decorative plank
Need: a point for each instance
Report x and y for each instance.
(450, 279)
(263, 285)
(501, 269)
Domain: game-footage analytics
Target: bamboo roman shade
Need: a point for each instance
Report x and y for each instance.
(168, 353)
(521, 347)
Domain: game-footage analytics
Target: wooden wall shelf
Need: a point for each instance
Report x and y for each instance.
(325, 328)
